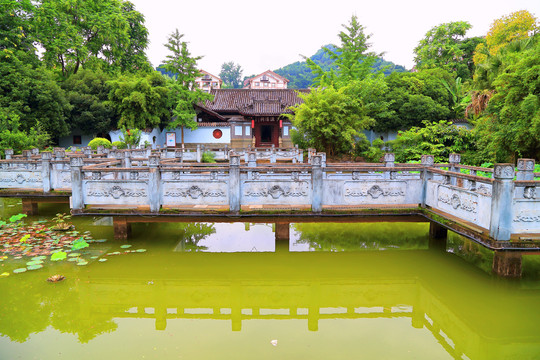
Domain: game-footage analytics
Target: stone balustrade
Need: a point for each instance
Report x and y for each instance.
(507, 204)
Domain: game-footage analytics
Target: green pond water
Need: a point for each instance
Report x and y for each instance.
(232, 291)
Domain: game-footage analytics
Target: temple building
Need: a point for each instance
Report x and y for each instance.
(207, 81)
(266, 80)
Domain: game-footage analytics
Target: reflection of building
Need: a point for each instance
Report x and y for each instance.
(266, 80)
(207, 81)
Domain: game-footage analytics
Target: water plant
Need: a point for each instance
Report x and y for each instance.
(61, 222)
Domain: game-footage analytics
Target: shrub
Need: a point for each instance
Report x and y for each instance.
(208, 157)
(99, 142)
(119, 144)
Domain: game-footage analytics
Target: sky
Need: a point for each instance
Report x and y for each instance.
(268, 35)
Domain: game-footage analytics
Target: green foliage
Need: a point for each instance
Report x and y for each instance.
(231, 74)
(510, 126)
(331, 119)
(415, 97)
(18, 217)
(445, 47)
(15, 27)
(208, 157)
(119, 144)
(87, 92)
(439, 139)
(11, 137)
(141, 100)
(29, 91)
(130, 137)
(373, 152)
(59, 255)
(94, 143)
(91, 32)
(79, 244)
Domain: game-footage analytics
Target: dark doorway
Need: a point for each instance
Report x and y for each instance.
(266, 133)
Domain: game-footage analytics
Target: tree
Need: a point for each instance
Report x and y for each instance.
(351, 59)
(15, 26)
(78, 32)
(518, 25)
(12, 137)
(88, 93)
(446, 47)
(510, 125)
(184, 93)
(141, 100)
(30, 92)
(331, 119)
(231, 74)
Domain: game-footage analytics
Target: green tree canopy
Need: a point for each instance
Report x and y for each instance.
(88, 92)
(446, 47)
(231, 74)
(141, 100)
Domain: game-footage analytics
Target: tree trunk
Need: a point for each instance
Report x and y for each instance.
(182, 137)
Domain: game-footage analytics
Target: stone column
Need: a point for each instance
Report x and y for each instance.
(122, 229)
(426, 161)
(199, 155)
(252, 159)
(179, 155)
(35, 151)
(273, 157)
(525, 170)
(507, 264)
(282, 237)
(29, 206)
(234, 183)
(88, 152)
(8, 153)
(323, 159)
(77, 198)
(154, 180)
(100, 149)
(27, 154)
(46, 170)
(389, 159)
(501, 202)
(454, 160)
(438, 235)
(316, 183)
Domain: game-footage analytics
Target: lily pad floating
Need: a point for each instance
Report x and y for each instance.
(99, 240)
(94, 257)
(38, 258)
(140, 250)
(61, 255)
(74, 254)
(20, 270)
(73, 259)
(102, 260)
(114, 253)
(34, 262)
(35, 267)
(125, 246)
(79, 244)
(4, 274)
(82, 263)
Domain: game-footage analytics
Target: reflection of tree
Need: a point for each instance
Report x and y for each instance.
(470, 251)
(192, 233)
(363, 236)
(29, 305)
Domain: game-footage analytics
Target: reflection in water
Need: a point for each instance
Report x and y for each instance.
(200, 300)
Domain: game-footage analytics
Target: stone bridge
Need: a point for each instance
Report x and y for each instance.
(500, 206)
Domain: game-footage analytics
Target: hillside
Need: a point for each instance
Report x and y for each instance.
(301, 77)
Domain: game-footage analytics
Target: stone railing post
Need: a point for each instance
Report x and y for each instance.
(46, 170)
(179, 155)
(100, 149)
(525, 170)
(323, 159)
(273, 157)
(316, 183)
(77, 199)
(35, 151)
(234, 183)
(252, 159)
(8, 153)
(454, 160)
(27, 154)
(226, 152)
(88, 152)
(154, 180)
(389, 162)
(500, 227)
(199, 155)
(426, 161)
(59, 155)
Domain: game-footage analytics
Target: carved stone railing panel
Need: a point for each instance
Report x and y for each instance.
(21, 179)
(277, 192)
(194, 193)
(115, 192)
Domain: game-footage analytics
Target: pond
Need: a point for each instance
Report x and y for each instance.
(244, 291)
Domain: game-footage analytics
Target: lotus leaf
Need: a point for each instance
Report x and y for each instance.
(60, 255)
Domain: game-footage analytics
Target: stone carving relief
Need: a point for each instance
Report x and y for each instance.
(525, 165)
(118, 192)
(504, 171)
(276, 191)
(527, 217)
(20, 179)
(295, 175)
(196, 192)
(484, 190)
(133, 175)
(213, 175)
(255, 175)
(375, 192)
(529, 192)
(457, 202)
(356, 175)
(96, 175)
(235, 160)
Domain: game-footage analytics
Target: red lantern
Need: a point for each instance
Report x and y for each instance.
(253, 124)
(280, 124)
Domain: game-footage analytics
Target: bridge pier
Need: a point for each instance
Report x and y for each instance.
(282, 237)
(122, 228)
(29, 207)
(507, 264)
(437, 236)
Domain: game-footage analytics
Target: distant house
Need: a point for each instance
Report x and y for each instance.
(207, 81)
(266, 80)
